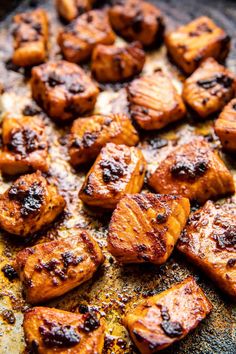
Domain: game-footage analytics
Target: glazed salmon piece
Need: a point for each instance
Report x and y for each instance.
(57, 266)
(145, 227)
(154, 101)
(24, 145)
(80, 37)
(161, 320)
(30, 204)
(30, 38)
(70, 9)
(188, 45)
(194, 171)
(63, 90)
(209, 241)
(137, 20)
(225, 127)
(48, 330)
(113, 64)
(90, 134)
(118, 170)
(209, 88)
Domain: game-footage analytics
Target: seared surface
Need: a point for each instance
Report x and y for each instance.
(114, 286)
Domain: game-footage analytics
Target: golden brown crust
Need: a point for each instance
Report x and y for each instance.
(30, 33)
(118, 170)
(63, 89)
(48, 330)
(29, 204)
(225, 127)
(145, 227)
(190, 44)
(112, 63)
(57, 266)
(25, 145)
(89, 135)
(163, 319)
(209, 242)
(70, 9)
(194, 171)
(154, 101)
(79, 38)
(137, 20)
(209, 88)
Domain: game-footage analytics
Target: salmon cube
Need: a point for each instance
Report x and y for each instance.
(194, 171)
(188, 45)
(63, 90)
(154, 101)
(146, 227)
(30, 37)
(118, 170)
(70, 9)
(48, 330)
(225, 127)
(161, 320)
(209, 88)
(89, 135)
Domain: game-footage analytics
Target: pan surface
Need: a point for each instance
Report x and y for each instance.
(114, 288)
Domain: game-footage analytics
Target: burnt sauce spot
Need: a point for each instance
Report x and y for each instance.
(30, 199)
(112, 170)
(8, 316)
(219, 79)
(189, 171)
(91, 322)
(224, 234)
(9, 272)
(57, 335)
(69, 259)
(172, 329)
(23, 141)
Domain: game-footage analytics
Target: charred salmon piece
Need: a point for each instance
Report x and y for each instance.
(154, 101)
(57, 266)
(49, 331)
(29, 204)
(225, 127)
(137, 20)
(118, 170)
(89, 135)
(80, 37)
(63, 90)
(209, 241)
(113, 64)
(194, 171)
(146, 227)
(188, 45)
(161, 320)
(70, 9)
(30, 38)
(24, 145)
(209, 88)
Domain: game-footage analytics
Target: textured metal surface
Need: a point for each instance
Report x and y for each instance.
(115, 288)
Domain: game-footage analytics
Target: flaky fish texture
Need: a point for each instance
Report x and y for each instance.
(209, 241)
(80, 37)
(145, 227)
(114, 64)
(188, 45)
(30, 204)
(161, 320)
(118, 170)
(209, 88)
(154, 102)
(24, 145)
(137, 20)
(48, 331)
(63, 90)
(194, 171)
(30, 38)
(89, 135)
(225, 127)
